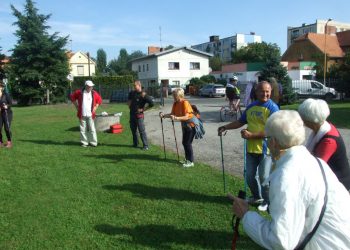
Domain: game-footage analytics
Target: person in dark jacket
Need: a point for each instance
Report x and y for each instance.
(137, 101)
(325, 140)
(6, 115)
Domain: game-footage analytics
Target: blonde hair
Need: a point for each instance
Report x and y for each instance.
(179, 92)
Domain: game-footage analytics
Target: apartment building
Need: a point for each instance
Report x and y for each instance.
(318, 27)
(224, 47)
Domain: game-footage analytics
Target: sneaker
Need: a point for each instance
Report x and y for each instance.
(254, 201)
(182, 161)
(263, 207)
(145, 148)
(9, 144)
(188, 164)
(134, 145)
(93, 145)
(84, 145)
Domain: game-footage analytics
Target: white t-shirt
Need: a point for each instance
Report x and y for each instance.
(87, 102)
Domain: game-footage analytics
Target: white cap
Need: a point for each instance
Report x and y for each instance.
(89, 83)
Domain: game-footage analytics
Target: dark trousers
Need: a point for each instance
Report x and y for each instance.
(187, 139)
(5, 121)
(138, 124)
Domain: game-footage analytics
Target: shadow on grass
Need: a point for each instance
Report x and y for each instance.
(74, 129)
(141, 156)
(51, 142)
(163, 193)
(164, 236)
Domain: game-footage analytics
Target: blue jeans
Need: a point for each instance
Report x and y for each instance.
(264, 170)
(255, 177)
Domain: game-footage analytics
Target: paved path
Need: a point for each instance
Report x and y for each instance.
(206, 150)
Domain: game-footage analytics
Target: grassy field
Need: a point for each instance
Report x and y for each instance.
(56, 194)
(340, 113)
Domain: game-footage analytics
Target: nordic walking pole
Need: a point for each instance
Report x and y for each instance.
(161, 121)
(177, 149)
(245, 165)
(222, 162)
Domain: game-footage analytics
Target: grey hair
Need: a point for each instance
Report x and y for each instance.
(287, 127)
(314, 110)
(179, 92)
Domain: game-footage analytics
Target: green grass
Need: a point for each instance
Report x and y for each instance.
(340, 113)
(58, 195)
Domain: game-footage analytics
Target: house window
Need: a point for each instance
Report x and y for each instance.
(147, 67)
(139, 68)
(195, 65)
(80, 70)
(143, 67)
(174, 65)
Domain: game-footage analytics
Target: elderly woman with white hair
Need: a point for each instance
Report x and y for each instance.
(325, 140)
(301, 187)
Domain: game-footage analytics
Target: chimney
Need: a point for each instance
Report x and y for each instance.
(153, 50)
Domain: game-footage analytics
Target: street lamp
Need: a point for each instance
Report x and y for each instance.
(88, 55)
(324, 52)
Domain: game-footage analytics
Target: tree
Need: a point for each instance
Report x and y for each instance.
(256, 52)
(2, 71)
(208, 78)
(101, 61)
(274, 68)
(215, 63)
(342, 73)
(132, 56)
(39, 63)
(169, 47)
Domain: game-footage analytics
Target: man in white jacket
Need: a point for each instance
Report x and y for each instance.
(297, 192)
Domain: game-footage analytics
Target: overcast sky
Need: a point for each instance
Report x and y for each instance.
(133, 25)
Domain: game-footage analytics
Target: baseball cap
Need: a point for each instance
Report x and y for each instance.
(89, 83)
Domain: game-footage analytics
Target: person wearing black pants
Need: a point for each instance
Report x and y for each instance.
(182, 111)
(6, 115)
(137, 101)
(187, 139)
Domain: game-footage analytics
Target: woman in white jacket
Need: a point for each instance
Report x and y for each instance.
(297, 192)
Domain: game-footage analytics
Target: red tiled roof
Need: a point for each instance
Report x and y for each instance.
(344, 38)
(333, 48)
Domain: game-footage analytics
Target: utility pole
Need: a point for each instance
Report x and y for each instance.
(160, 36)
(88, 55)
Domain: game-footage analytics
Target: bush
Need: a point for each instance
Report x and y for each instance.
(114, 82)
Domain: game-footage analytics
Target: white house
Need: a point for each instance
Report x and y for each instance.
(171, 67)
(79, 64)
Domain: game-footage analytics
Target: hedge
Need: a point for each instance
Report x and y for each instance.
(113, 82)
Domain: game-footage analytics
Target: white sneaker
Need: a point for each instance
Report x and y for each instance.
(188, 164)
(253, 201)
(263, 207)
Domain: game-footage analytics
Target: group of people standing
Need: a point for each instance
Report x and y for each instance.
(307, 197)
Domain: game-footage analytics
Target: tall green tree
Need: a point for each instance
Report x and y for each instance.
(2, 70)
(274, 68)
(256, 52)
(215, 63)
(39, 65)
(101, 62)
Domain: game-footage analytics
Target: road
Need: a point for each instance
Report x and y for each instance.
(207, 150)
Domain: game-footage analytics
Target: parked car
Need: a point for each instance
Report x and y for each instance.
(172, 87)
(311, 88)
(212, 90)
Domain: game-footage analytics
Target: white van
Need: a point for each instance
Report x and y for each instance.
(311, 88)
